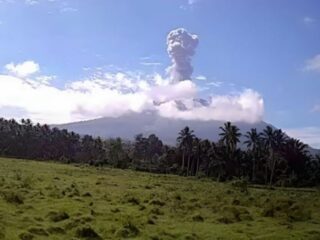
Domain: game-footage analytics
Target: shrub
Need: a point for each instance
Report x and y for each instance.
(297, 212)
(156, 211)
(38, 231)
(157, 202)
(285, 207)
(128, 230)
(133, 200)
(13, 197)
(56, 230)
(87, 233)
(26, 182)
(232, 214)
(241, 184)
(26, 236)
(197, 218)
(192, 236)
(57, 216)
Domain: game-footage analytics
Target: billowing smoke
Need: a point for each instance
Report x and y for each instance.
(181, 47)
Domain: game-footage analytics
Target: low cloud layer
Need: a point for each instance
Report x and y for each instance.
(115, 94)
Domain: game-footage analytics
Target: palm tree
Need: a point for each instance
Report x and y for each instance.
(230, 136)
(296, 154)
(184, 140)
(253, 143)
(274, 141)
(268, 137)
(197, 150)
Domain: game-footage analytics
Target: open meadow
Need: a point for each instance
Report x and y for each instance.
(40, 200)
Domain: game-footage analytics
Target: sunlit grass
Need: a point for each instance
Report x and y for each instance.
(41, 200)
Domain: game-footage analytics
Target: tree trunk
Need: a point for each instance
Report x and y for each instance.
(197, 169)
(188, 164)
(266, 172)
(182, 165)
(272, 168)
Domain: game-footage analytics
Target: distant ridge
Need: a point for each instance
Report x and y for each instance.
(129, 125)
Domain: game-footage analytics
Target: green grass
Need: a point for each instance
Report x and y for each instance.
(41, 200)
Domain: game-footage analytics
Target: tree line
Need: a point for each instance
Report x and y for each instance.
(269, 157)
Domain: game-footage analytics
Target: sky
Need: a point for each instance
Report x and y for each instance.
(72, 60)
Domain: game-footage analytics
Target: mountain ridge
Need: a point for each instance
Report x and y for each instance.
(127, 126)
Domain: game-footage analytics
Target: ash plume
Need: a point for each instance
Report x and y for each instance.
(181, 47)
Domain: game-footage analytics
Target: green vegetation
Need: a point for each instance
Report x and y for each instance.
(40, 200)
(270, 158)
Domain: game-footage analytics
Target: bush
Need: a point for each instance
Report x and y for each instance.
(232, 214)
(241, 184)
(285, 208)
(128, 230)
(297, 212)
(157, 202)
(56, 230)
(38, 231)
(13, 197)
(26, 236)
(57, 216)
(197, 218)
(87, 233)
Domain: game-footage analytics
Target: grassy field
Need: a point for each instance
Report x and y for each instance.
(53, 201)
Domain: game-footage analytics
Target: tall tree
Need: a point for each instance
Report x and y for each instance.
(253, 143)
(230, 136)
(184, 140)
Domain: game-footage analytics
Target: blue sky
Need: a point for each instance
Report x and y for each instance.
(270, 47)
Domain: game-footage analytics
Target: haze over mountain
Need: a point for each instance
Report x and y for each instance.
(149, 122)
(129, 125)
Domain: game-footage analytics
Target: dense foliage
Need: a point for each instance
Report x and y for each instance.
(269, 157)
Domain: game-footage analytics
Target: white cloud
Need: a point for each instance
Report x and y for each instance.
(308, 20)
(201, 78)
(68, 9)
(115, 93)
(24, 69)
(316, 108)
(313, 64)
(45, 79)
(246, 106)
(191, 2)
(31, 2)
(308, 135)
(215, 84)
(151, 63)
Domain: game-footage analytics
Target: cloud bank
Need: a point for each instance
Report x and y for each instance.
(115, 94)
(111, 94)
